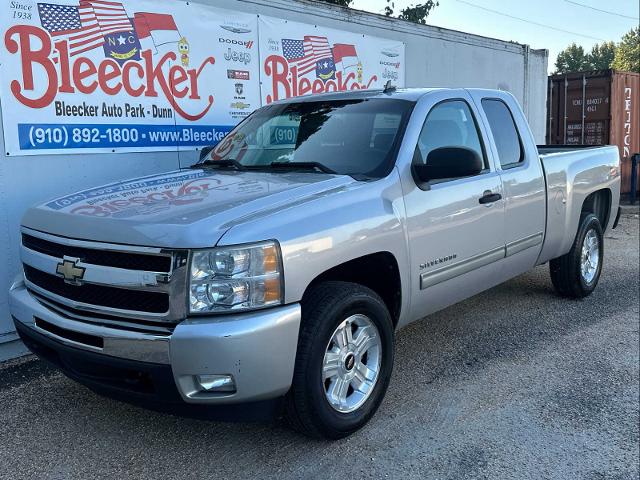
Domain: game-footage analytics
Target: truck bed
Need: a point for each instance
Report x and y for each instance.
(572, 173)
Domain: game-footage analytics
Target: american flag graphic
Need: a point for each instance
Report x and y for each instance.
(78, 25)
(111, 16)
(306, 53)
(83, 26)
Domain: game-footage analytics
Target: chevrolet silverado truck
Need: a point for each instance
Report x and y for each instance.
(271, 276)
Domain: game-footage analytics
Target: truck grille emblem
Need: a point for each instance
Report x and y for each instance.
(70, 271)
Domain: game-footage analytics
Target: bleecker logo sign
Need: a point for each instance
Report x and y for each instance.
(312, 65)
(59, 47)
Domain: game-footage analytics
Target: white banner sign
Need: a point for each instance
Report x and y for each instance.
(300, 59)
(123, 75)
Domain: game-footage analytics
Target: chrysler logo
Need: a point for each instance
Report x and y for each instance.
(70, 271)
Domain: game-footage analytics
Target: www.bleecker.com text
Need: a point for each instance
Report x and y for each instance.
(64, 109)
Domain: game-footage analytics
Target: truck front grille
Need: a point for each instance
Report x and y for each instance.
(100, 295)
(151, 263)
(143, 286)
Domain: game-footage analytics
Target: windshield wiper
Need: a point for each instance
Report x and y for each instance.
(235, 165)
(226, 163)
(302, 166)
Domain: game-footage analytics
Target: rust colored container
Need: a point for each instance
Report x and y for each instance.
(596, 108)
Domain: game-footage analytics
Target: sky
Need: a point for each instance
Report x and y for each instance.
(584, 26)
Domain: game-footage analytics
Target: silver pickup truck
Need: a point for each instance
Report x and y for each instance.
(270, 277)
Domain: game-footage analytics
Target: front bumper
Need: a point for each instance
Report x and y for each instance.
(258, 349)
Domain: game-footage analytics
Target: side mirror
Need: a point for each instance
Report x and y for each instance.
(448, 162)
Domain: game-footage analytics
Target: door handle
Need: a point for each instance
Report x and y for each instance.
(489, 197)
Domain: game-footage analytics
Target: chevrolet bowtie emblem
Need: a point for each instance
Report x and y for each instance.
(70, 271)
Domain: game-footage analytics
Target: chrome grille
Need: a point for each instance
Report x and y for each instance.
(99, 295)
(140, 285)
(131, 261)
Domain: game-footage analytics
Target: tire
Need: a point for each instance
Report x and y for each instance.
(325, 308)
(567, 275)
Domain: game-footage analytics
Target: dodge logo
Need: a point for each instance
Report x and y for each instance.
(69, 270)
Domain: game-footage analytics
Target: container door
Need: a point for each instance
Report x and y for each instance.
(579, 109)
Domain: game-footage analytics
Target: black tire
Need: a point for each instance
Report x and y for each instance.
(566, 274)
(324, 307)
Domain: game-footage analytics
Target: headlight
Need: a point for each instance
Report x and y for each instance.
(236, 278)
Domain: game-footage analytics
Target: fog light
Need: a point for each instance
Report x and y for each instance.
(216, 383)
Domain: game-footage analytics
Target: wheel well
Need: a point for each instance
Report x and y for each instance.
(377, 271)
(599, 203)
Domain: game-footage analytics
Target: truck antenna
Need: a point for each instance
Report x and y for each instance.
(388, 88)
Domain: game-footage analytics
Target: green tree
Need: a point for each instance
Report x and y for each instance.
(572, 59)
(601, 56)
(416, 13)
(627, 58)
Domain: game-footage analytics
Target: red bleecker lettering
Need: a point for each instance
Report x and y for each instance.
(342, 82)
(277, 68)
(177, 75)
(156, 74)
(29, 57)
(287, 78)
(330, 86)
(193, 77)
(318, 86)
(304, 86)
(65, 80)
(79, 74)
(126, 78)
(109, 70)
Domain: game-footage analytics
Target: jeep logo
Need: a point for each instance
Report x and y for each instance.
(234, 56)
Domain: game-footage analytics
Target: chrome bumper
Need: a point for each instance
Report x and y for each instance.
(257, 348)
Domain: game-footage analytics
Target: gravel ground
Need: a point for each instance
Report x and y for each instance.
(513, 383)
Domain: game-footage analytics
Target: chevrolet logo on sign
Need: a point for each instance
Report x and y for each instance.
(70, 271)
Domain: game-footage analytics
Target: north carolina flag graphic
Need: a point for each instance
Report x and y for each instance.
(159, 27)
(345, 54)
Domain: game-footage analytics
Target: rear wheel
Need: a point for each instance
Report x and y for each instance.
(344, 360)
(576, 274)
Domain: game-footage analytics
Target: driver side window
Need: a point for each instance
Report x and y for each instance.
(449, 124)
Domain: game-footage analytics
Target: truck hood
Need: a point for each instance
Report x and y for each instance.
(181, 209)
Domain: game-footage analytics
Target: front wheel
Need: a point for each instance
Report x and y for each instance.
(576, 274)
(344, 360)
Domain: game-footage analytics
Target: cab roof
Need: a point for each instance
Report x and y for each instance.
(410, 94)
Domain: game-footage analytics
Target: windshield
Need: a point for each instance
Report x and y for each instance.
(351, 137)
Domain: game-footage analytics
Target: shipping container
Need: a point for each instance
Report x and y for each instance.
(596, 108)
(435, 57)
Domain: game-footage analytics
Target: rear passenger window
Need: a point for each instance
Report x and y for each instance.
(505, 133)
